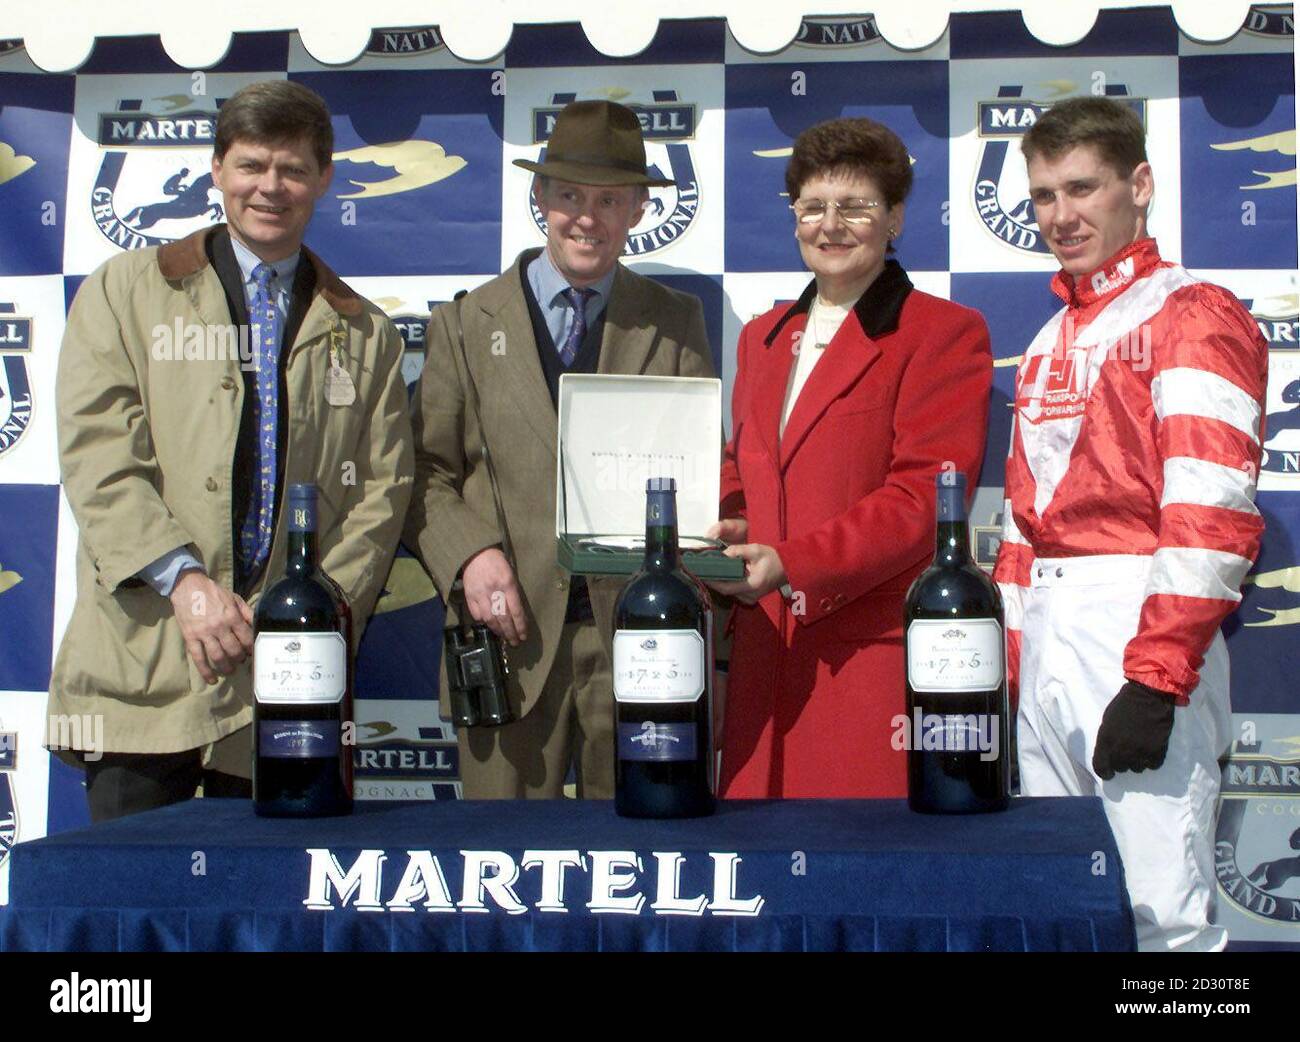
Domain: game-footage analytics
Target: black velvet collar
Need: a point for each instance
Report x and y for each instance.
(877, 309)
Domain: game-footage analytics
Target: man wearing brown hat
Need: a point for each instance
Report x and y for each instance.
(570, 307)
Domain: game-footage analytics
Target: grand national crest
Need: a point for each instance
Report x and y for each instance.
(15, 382)
(1257, 845)
(1278, 319)
(8, 805)
(1001, 192)
(155, 183)
(667, 124)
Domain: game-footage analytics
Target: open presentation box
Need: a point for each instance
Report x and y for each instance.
(617, 431)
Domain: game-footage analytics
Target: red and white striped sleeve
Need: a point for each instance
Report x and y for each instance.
(1209, 375)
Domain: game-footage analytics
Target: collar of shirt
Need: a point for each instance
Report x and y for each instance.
(1135, 261)
(285, 270)
(548, 287)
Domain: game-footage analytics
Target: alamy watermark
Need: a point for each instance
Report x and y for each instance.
(200, 342)
(74, 732)
(948, 733)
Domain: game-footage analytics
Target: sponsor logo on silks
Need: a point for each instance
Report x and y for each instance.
(651, 736)
(414, 163)
(667, 124)
(1109, 279)
(11, 163)
(181, 201)
(1278, 579)
(1281, 143)
(649, 644)
(396, 43)
(8, 805)
(1001, 123)
(1257, 844)
(1275, 20)
(837, 32)
(15, 383)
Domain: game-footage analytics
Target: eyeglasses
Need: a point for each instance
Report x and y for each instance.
(853, 211)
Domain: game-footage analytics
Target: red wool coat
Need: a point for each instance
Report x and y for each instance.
(846, 497)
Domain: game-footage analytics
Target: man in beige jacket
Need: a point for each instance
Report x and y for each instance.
(175, 441)
(570, 307)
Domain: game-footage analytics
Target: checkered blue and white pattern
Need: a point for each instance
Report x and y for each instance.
(425, 202)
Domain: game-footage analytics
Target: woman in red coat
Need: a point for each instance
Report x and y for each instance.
(845, 406)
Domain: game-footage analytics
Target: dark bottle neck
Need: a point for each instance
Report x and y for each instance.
(661, 554)
(302, 553)
(302, 531)
(952, 538)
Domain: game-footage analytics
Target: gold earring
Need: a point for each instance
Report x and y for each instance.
(893, 232)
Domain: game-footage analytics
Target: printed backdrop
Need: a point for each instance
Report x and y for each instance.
(116, 157)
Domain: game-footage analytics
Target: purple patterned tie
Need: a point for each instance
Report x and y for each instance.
(265, 326)
(577, 299)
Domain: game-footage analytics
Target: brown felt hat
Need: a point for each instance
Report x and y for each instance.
(596, 143)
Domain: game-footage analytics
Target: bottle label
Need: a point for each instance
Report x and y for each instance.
(658, 665)
(954, 654)
(307, 668)
(297, 739)
(649, 740)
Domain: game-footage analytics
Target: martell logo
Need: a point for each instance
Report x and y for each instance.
(184, 200)
(1277, 579)
(11, 163)
(1279, 322)
(410, 325)
(1257, 834)
(837, 32)
(15, 383)
(8, 805)
(1278, 319)
(1281, 143)
(390, 766)
(414, 163)
(1001, 123)
(1275, 20)
(666, 124)
(398, 43)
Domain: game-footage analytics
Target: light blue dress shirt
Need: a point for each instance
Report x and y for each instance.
(548, 287)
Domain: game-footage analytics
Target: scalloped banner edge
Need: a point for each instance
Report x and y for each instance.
(905, 24)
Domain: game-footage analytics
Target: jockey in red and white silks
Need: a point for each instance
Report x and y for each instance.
(1128, 528)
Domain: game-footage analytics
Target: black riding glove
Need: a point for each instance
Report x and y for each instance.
(1134, 732)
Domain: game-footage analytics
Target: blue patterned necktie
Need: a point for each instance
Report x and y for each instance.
(265, 327)
(577, 299)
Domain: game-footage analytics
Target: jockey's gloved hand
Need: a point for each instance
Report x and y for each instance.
(1134, 731)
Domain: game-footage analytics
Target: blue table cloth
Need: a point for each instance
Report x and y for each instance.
(794, 875)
